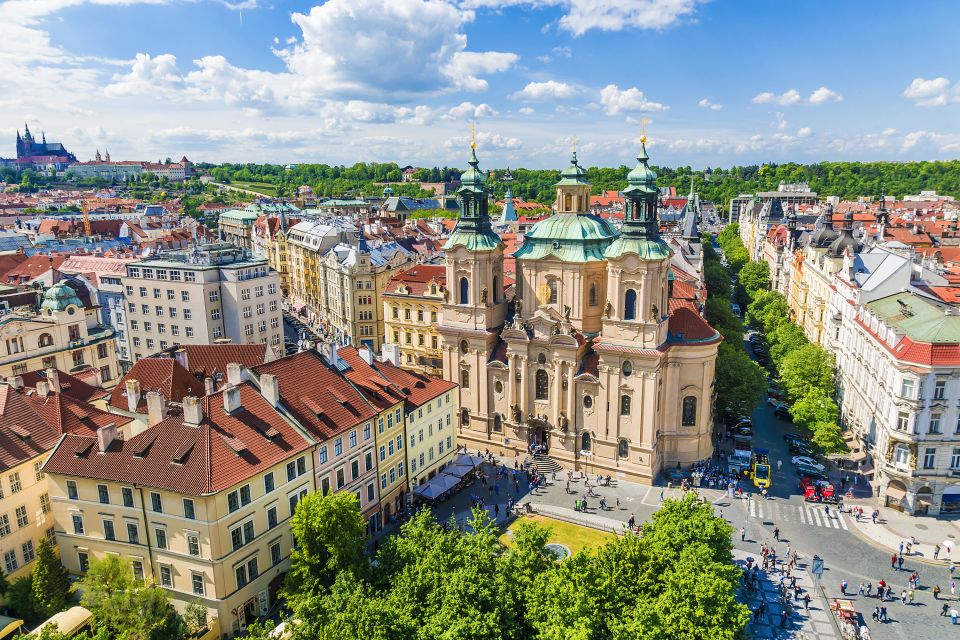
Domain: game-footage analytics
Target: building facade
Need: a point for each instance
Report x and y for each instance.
(411, 309)
(594, 360)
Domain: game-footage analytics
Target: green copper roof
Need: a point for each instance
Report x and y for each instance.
(574, 174)
(642, 178)
(640, 235)
(485, 241)
(644, 248)
(473, 229)
(473, 179)
(921, 319)
(59, 297)
(240, 215)
(569, 237)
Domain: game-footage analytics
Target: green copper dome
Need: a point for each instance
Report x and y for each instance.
(569, 237)
(640, 235)
(59, 297)
(473, 230)
(574, 174)
(642, 175)
(473, 178)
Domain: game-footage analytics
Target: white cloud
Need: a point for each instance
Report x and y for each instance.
(543, 91)
(581, 16)
(158, 74)
(932, 93)
(792, 97)
(526, 110)
(629, 100)
(804, 132)
(485, 140)
(706, 104)
(470, 111)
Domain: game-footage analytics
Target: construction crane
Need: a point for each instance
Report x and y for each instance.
(86, 221)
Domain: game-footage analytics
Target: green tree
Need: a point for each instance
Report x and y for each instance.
(827, 436)
(815, 407)
(768, 309)
(755, 278)
(741, 383)
(785, 338)
(21, 601)
(51, 583)
(805, 368)
(717, 280)
(330, 535)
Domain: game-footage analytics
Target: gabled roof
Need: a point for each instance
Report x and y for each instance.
(416, 279)
(376, 387)
(31, 424)
(224, 450)
(417, 388)
(70, 385)
(157, 374)
(205, 360)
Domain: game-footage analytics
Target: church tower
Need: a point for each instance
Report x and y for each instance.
(638, 265)
(475, 307)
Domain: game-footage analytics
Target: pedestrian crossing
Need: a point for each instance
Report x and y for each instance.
(812, 515)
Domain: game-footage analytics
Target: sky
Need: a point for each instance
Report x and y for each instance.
(713, 82)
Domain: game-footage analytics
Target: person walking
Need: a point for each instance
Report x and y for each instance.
(903, 597)
(944, 610)
(861, 590)
(953, 615)
(893, 561)
(910, 595)
(883, 614)
(743, 534)
(936, 592)
(843, 587)
(899, 563)
(776, 534)
(874, 515)
(936, 551)
(806, 601)
(631, 521)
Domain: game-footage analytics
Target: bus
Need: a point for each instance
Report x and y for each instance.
(760, 469)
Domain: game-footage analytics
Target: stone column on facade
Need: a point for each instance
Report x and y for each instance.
(555, 393)
(571, 396)
(511, 384)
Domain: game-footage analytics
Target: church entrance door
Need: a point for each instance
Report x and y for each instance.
(540, 438)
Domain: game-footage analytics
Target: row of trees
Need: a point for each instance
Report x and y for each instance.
(806, 369)
(431, 581)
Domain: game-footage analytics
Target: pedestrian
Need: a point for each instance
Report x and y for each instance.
(661, 496)
(893, 561)
(876, 614)
(843, 587)
(911, 594)
(952, 568)
(826, 510)
(779, 465)
(496, 511)
(568, 486)
(743, 534)
(631, 521)
(806, 601)
(861, 590)
(953, 615)
(901, 547)
(900, 563)
(776, 534)
(944, 610)
(618, 504)
(903, 597)
(953, 588)
(883, 614)
(869, 588)
(936, 551)
(936, 592)
(783, 619)
(874, 515)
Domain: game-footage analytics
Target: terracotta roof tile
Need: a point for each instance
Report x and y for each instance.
(157, 374)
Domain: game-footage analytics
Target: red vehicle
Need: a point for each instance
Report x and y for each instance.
(817, 490)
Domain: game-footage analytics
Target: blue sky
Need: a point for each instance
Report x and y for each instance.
(721, 82)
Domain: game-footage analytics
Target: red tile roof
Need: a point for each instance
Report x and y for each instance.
(224, 450)
(34, 267)
(71, 386)
(31, 425)
(686, 321)
(318, 397)
(157, 374)
(417, 279)
(376, 388)
(418, 389)
(210, 359)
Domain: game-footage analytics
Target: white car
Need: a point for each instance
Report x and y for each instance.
(810, 462)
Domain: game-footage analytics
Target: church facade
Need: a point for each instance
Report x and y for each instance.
(595, 360)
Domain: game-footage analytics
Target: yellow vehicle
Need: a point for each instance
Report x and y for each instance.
(760, 469)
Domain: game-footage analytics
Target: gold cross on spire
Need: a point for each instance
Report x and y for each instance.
(473, 135)
(643, 130)
(574, 144)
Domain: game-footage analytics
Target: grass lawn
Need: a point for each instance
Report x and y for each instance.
(572, 536)
(265, 188)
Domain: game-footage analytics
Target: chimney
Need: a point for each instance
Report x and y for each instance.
(391, 353)
(180, 355)
(234, 375)
(53, 378)
(366, 354)
(209, 386)
(16, 382)
(270, 389)
(156, 407)
(329, 351)
(192, 411)
(106, 435)
(43, 388)
(133, 394)
(231, 399)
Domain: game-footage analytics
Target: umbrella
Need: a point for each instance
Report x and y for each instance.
(458, 470)
(468, 459)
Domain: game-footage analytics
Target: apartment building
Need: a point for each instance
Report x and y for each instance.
(430, 407)
(411, 309)
(236, 225)
(307, 242)
(31, 423)
(207, 293)
(64, 333)
(200, 502)
(270, 242)
(900, 384)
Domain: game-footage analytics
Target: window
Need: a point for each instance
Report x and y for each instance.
(214, 296)
(46, 340)
(585, 442)
(133, 533)
(103, 493)
(383, 453)
(189, 276)
(324, 486)
(903, 421)
(623, 448)
(624, 405)
(901, 455)
(626, 369)
(552, 284)
(45, 503)
(197, 580)
(156, 502)
(185, 296)
(340, 478)
(161, 537)
(689, 414)
(84, 559)
(906, 387)
(28, 553)
(593, 298)
(22, 519)
(368, 461)
(587, 401)
(383, 481)
(355, 469)
(15, 485)
(10, 561)
(940, 390)
(242, 534)
(353, 438)
(464, 417)
(464, 379)
(127, 494)
(542, 385)
(166, 576)
(630, 305)
(268, 482)
(323, 454)
(955, 459)
(338, 447)
(366, 431)
(464, 291)
(935, 423)
(193, 544)
(77, 523)
(72, 490)
(109, 532)
(275, 555)
(928, 458)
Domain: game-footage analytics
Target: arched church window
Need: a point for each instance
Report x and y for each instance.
(689, 417)
(464, 291)
(586, 442)
(593, 298)
(464, 417)
(542, 385)
(464, 379)
(46, 339)
(497, 423)
(553, 291)
(630, 305)
(496, 288)
(623, 448)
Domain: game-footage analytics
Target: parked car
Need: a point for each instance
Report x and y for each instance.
(810, 472)
(808, 461)
(796, 437)
(800, 449)
(783, 412)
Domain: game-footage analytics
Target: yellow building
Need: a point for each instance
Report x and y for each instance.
(200, 502)
(31, 423)
(270, 242)
(306, 243)
(411, 309)
(65, 334)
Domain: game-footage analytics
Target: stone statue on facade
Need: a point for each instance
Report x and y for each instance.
(607, 309)
(517, 413)
(483, 295)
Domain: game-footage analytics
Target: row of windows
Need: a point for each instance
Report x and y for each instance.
(161, 328)
(16, 484)
(421, 339)
(158, 311)
(408, 314)
(161, 274)
(426, 457)
(414, 436)
(28, 550)
(127, 499)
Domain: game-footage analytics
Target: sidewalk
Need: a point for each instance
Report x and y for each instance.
(894, 527)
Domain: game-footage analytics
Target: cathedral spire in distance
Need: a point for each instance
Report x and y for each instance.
(473, 229)
(640, 233)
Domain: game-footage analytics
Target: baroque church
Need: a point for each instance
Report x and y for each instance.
(28, 147)
(597, 360)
